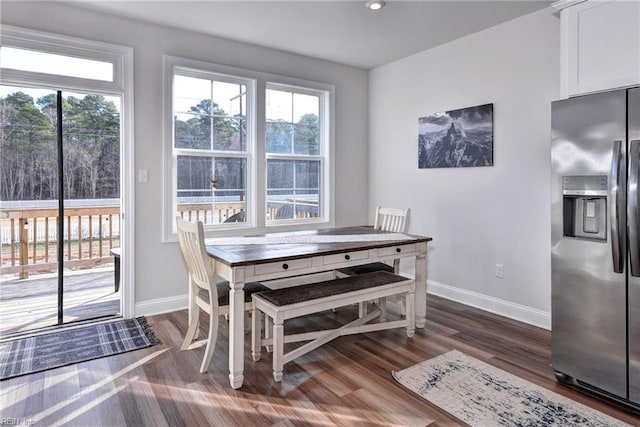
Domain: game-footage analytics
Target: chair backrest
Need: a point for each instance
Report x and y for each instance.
(285, 212)
(392, 219)
(191, 239)
(237, 217)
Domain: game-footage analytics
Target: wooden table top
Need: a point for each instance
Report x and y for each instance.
(245, 254)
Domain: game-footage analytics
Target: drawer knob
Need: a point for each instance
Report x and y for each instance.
(347, 257)
(398, 250)
(285, 266)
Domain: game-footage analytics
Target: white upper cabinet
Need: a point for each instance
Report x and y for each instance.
(600, 45)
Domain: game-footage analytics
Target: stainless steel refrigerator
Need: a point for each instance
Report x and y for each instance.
(595, 243)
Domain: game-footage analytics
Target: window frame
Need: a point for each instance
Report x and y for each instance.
(121, 57)
(212, 153)
(256, 190)
(324, 152)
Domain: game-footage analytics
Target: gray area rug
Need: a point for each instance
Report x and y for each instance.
(482, 395)
(65, 347)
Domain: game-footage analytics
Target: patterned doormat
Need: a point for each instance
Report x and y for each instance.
(482, 395)
(65, 347)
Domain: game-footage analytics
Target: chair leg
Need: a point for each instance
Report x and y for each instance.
(194, 316)
(278, 350)
(192, 331)
(396, 270)
(268, 326)
(256, 342)
(411, 314)
(403, 310)
(211, 342)
(335, 276)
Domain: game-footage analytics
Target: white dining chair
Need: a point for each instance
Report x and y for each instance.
(387, 219)
(204, 292)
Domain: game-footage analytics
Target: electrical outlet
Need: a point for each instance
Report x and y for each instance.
(499, 271)
(143, 175)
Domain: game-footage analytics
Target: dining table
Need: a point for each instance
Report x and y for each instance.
(281, 255)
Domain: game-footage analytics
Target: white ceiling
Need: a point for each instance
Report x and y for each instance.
(339, 31)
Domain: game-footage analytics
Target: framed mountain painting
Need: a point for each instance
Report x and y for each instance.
(457, 138)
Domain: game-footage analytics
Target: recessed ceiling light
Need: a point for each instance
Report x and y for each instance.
(375, 4)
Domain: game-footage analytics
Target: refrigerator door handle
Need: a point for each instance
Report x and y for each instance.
(632, 208)
(615, 217)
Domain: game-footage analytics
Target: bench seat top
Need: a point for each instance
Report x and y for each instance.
(298, 294)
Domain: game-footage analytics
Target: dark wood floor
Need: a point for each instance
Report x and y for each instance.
(346, 382)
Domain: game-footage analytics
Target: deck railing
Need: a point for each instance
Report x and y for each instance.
(224, 210)
(204, 211)
(29, 236)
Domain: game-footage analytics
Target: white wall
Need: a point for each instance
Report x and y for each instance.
(160, 275)
(478, 217)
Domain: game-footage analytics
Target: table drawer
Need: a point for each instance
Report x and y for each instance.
(344, 257)
(275, 267)
(396, 250)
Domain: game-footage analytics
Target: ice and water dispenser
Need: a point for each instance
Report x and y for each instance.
(585, 206)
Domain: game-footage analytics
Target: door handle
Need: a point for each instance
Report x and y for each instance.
(632, 208)
(615, 214)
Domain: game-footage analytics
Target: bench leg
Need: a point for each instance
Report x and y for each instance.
(278, 350)
(362, 309)
(256, 343)
(410, 314)
(382, 306)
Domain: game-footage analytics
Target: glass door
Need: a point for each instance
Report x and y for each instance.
(59, 207)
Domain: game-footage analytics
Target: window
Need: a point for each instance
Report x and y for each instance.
(293, 153)
(245, 150)
(53, 63)
(64, 62)
(211, 146)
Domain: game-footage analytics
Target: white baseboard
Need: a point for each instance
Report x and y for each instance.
(522, 313)
(181, 302)
(162, 305)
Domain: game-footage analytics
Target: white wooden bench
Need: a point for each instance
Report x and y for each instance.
(282, 304)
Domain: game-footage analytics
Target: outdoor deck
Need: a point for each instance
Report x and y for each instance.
(28, 246)
(31, 303)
